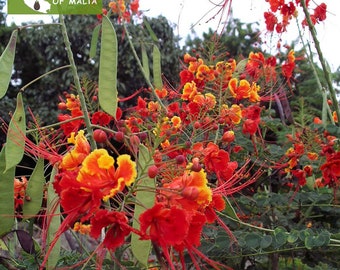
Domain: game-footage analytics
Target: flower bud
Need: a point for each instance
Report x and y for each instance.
(99, 136)
(152, 171)
(228, 136)
(119, 136)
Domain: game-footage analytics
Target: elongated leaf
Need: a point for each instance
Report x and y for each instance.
(35, 190)
(6, 195)
(144, 200)
(53, 214)
(6, 63)
(26, 241)
(325, 109)
(157, 71)
(107, 93)
(151, 32)
(15, 143)
(145, 62)
(94, 41)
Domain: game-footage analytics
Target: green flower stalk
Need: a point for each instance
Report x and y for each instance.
(77, 82)
(322, 60)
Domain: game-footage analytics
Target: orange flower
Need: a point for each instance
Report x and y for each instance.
(82, 228)
(239, 89)
(317, 121)
(232, 115)
(312, 155)
(20, 186)
(207, 101)
(335, 117)
(193, 190)
(204, 73)
(154, 106)
(288, 66)
(226, 68)
(176, 121)
(189, 91)
(98, 173)
(193, 65)
(76, 156)
(161, 93)
(253, 93)
(188, 58)
(119, 7)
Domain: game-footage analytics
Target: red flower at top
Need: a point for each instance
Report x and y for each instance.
(320, 12)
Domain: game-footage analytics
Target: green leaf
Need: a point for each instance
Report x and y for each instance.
(94, 41)
(333, 130)
(309, 242)
(280, 237)
(53, 214)
(157, 73)
(6, 63)
(266, 241)
(293, 236)
(35, 190)
(145, 61)
(240, 67)
(151, 32)
(15, 141)
(6, 195)
(222, 242)
(145, 198)
(253, 240)
(107, 84)
(304, 234)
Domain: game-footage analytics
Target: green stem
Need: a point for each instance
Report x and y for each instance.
(36, 25)
(322, 60)
(77, 83)
(320, 88)
(42, 76)
(139, 63)
(54, 125)
(246, 224)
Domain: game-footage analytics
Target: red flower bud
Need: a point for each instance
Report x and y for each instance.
(180, 159)
(62, 106)
(152, 171)
(228, 136)
(99, 136)
(119, 136)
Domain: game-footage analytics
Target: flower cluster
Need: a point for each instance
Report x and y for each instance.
(288, 11)
(311, 156)
(192, 134)
(124, 9)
